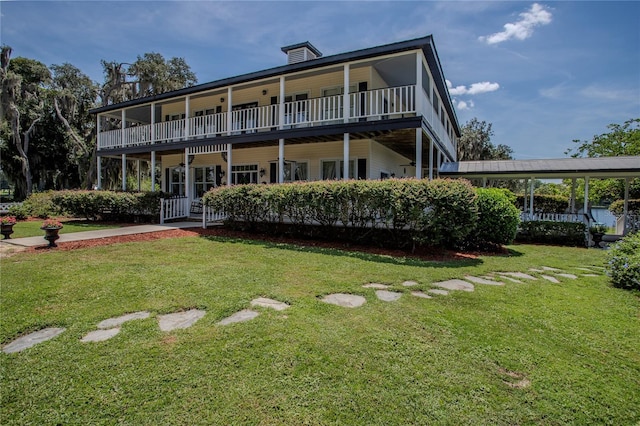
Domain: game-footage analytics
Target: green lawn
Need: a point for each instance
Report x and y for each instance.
(447, 360)
(32, 228)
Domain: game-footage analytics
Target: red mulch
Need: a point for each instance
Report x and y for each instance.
(423, 253)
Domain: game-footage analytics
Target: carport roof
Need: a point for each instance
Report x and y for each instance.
(556, 168)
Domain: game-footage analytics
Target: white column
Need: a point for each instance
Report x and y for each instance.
(586, 209)
(187, 186)
(123, 125)
(229, 164)
(229, 122)
(439, 162)
(524, 198)
(418, 92)
(625, 210)
(484, 182)
(124, 172)
(99, 165)
(533, 182)
(153, 171)
(573, 196)
(187, 108)
(153, 122)
(345, 156)
(139, 175)
(419, 155)
(281, 161)
(430, 157)
(98, 130)
(281, 104)
(345, 96)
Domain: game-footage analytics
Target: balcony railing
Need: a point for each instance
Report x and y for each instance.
(377, 104)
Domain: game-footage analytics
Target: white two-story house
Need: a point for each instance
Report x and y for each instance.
(374, 113)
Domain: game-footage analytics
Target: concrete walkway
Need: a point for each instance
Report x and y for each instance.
(103, 233)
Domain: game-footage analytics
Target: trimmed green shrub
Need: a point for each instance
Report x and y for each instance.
(624, 262)
(498, 218)
(543, 203)
(556, 233)
(38, 204)
(617, 207)
(109, 205)
(438, 212)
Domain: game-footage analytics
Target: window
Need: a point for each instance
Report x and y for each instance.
(176, 181)
(294, 171)
(204, 179)
(333, 169)
(244, 174)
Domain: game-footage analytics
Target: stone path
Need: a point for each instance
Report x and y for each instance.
(111, 327)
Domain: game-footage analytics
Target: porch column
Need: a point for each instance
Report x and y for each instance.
(123, 125)
(573, 196)
(419, 154)
(345, 95)
(187, 108)
(228, 164)
(229, 121)
(439, 162)
(531, 189)
(281, 161)
(524, 198)
(484, 182)
(98, 130)
(99, 166)
(124, 172)
(625, 210)
(139, 175)
(418, 90)
(153, 171)
(187, 187)
(153, 122)
(586, 209)
(430, 158)
(281, 104)
(345, 155)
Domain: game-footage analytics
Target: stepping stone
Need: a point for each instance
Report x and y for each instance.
(179, 319)
(513, 280)
(388, 296)
(479, 280)
(438, 291)
(536, 270)
(571, 276)
(32, 339)
(409, 283)
(455, 285)
(590, 275)
(420, 294)
(269, 303)
(550, 278)
(100, 335)
(584, 269)
(240, 316)
(345, 300)
(518, 275)
(118, 321)
(376, 285)
(548, 268)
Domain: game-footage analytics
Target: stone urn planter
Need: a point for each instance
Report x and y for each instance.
(6, 226)
(51, 229)
(597, 232)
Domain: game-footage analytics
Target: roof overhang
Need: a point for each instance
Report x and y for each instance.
(557, 168)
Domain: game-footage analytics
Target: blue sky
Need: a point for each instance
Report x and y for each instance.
(544, 73)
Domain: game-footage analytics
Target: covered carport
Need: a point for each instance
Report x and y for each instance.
(560, 168)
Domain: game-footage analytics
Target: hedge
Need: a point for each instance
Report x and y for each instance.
(624, 262)
(109, 205)
(440, 212)
(38, 204)
(498, 218)
(544, 203)
(548, 232)
(617, 207)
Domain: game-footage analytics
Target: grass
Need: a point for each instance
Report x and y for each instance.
(459, 359)
(31, 228)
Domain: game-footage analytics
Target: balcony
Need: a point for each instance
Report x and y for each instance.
(378, 104)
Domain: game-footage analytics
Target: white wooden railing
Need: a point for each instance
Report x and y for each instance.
(633, 224)
(253, 119)
(4, 207)
(208, 125)
(173, 208)
(553, 217)
(382, 103)
(209, 216)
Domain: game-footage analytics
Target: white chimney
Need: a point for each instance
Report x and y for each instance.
(301, 52)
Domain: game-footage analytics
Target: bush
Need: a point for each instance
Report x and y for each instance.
(438, 212)
(617, 207)
(548, 232)
(38, 204)
(624, 262)
(543, 203)
(498, 218)
(109, 205)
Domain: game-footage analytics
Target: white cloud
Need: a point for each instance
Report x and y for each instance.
(523, 28)
(474, 89)
(463, 105)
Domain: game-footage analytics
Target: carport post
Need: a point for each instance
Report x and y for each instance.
(531, 198)
(625, 211)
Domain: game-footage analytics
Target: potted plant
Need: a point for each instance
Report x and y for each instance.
(51, 228)
(6, 226)
(597, 232)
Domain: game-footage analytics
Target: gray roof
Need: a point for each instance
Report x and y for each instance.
(545, 168)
